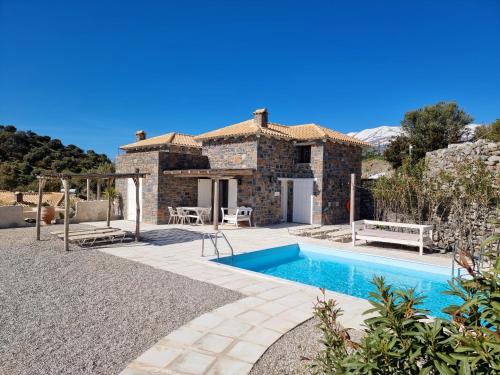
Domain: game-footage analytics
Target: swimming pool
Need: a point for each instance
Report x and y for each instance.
(348, 272)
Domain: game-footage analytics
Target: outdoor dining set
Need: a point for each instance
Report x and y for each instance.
(187, 215)
(202, 215)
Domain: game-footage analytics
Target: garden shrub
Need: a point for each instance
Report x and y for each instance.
(401, 339)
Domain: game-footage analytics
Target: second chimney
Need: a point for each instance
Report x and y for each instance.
(260, 117)
(140, 135)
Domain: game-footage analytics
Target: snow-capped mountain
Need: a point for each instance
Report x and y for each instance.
(381, 136)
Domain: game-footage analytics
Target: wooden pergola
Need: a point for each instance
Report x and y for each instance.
(66, 177)
(215, 175)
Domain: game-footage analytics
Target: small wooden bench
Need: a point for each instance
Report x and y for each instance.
(377, 231)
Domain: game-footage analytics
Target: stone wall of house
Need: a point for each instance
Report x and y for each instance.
(231, 153)
(275, 158)
(340, 161)
(147, 162)
(446, 159)
(158, 190)
(177, 191)
(246, 192)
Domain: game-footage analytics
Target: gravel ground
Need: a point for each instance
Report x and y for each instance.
(286, 356)
(83, 311)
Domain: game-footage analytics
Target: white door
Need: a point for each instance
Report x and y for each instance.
(131, 207)
(204, 192)
(232, 193)
(302, 201)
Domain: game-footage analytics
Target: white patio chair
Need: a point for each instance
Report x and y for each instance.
(191, 215)
(174, 216)
(207, 215)
(236, 215)
(182, 214)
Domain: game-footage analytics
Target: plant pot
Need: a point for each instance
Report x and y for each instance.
(48, 214)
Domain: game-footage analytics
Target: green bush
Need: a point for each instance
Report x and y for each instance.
(427, 129)
(488, 132)
(400, 339)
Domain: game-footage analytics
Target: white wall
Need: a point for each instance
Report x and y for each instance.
(90, 211)
(11, 216)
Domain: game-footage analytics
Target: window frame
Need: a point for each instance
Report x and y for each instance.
(303, 154)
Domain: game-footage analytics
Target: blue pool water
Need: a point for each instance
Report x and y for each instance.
(348, 272)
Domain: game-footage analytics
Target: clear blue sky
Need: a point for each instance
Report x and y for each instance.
(93, 72)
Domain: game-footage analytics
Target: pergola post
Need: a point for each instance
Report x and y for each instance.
(353, 198)
(65, 183)
(216, 204)
(66, 178)
(137, 206)
(41, 184)
(98, 193)
(88, 189)
(108, 215)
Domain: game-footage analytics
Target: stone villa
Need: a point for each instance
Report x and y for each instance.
(297, 173)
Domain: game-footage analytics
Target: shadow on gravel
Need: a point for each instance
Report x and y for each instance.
(87, 312)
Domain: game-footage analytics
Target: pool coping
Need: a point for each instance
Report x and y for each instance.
(356, 256)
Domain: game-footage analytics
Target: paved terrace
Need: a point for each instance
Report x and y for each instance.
(231, 338)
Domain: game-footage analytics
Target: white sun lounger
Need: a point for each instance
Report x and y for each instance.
(92, 239)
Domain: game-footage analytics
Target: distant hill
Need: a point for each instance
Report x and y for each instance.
(381, 136)
(23, 154)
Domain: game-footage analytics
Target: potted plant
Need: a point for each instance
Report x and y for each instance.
(48, 213)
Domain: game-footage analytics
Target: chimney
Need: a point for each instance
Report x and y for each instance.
(19, 197)
(140, 135)
(260, 117)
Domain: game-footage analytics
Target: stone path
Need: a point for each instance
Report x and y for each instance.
(230, 339)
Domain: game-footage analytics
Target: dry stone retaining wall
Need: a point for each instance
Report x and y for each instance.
(445, 160)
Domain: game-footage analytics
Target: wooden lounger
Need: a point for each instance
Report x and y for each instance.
(320, 233)
(341, 234)
(301, 231)
(92, 239)
(83, 231)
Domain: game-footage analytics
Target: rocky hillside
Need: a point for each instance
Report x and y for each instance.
(24, 154)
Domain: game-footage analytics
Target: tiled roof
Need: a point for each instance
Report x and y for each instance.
(297, 132)
(169, 138)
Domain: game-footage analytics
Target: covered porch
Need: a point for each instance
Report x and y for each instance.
(216, 187)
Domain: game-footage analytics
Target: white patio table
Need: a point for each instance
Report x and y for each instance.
(199, 213)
